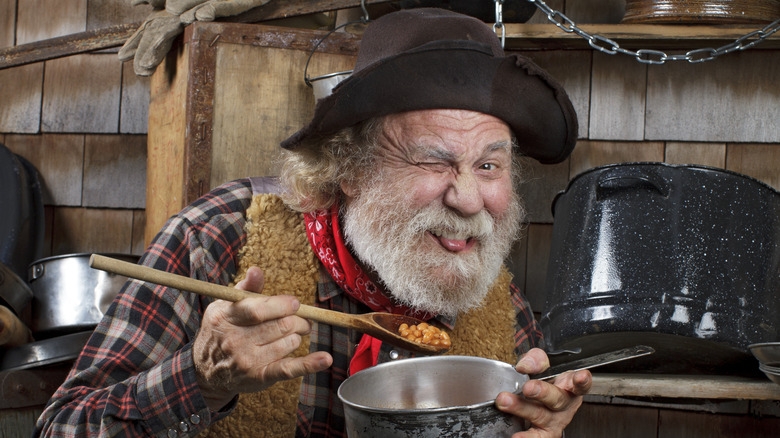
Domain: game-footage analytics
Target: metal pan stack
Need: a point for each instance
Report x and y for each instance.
(21, 242)
(768, 355)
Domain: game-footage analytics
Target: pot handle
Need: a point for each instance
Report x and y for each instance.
(612, 183)
(36, 271)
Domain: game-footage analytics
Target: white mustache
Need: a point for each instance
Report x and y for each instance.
(443, 222)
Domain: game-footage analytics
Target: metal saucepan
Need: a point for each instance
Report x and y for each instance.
(430, 397)
(69, 296)
(452, 396)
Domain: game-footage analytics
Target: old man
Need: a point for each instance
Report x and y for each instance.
(399, 196)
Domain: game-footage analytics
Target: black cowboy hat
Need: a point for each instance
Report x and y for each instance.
(430, 58)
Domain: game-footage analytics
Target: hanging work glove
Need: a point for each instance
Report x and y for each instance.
(149, 45)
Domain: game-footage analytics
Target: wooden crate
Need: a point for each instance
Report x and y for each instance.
(221, 103)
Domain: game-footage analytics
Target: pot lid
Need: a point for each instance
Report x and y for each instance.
(45, 352)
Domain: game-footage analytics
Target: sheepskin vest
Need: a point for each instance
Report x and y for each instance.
(277, 243)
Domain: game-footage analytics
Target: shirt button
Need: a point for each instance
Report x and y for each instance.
(393, 355)
(194, 419)
(172, 433)
(183, 426)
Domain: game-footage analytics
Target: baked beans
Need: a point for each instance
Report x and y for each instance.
(425, 333)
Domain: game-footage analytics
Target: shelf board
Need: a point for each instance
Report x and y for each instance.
(633, 36)
(684, 386)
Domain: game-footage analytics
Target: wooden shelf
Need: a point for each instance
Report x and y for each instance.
(633, 36)
(679, 386)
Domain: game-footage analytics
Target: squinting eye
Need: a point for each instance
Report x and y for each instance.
(433, 166)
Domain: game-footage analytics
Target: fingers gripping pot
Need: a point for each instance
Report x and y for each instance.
(685, 259)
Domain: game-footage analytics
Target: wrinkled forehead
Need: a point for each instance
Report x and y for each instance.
(446, 132)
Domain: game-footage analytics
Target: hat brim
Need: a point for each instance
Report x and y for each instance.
(455, 75)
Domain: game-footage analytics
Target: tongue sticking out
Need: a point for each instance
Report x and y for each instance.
(454, 245)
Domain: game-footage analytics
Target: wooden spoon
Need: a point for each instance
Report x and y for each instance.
(383, 326)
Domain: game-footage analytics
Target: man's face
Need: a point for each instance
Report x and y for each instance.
(439, 215)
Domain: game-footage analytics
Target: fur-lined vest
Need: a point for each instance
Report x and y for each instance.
(277, 243)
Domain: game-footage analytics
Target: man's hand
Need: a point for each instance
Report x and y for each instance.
(244, 346)
(149, 45)
(548, 407)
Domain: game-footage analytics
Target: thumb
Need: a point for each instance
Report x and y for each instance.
(290, 368)
(254, 280)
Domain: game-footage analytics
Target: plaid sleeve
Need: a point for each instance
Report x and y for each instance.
(135, 376)
(528, 334)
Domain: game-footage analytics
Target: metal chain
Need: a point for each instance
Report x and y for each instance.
(499, 24)
(649, 56)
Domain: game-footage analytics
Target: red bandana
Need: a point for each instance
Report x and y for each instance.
(324, 233)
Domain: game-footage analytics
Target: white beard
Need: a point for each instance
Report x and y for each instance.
(390, 238)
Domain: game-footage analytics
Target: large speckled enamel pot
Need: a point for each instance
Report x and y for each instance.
(431, 397)
(685, 259)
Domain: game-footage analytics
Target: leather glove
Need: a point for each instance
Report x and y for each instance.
(149, 45)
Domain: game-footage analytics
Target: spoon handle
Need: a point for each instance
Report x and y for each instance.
(212, 290)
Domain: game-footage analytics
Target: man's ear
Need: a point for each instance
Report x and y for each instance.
(349, 188)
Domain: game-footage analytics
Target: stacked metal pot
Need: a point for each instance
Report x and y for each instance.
(21, 242)
(49, 305)
(68, 300)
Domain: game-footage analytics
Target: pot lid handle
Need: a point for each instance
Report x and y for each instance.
(614, 182)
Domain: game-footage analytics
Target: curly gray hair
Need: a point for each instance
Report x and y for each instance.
(312, 174)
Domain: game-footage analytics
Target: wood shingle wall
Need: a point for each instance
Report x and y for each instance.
(81, 121)
(87, 110)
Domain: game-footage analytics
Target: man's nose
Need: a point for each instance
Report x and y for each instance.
(463, 195)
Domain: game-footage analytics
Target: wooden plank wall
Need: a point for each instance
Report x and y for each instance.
(82, 121)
